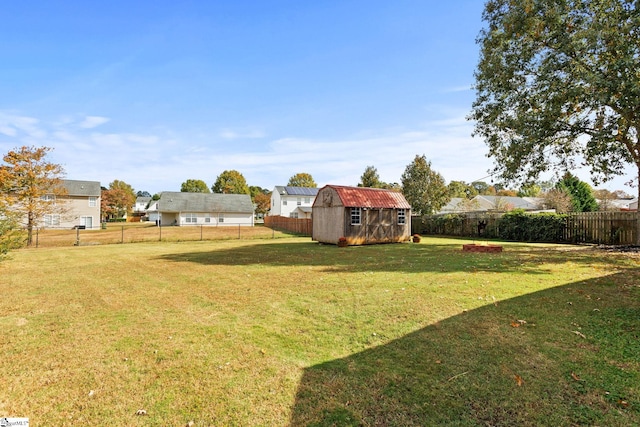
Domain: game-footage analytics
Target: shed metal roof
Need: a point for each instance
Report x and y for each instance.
(366, 197)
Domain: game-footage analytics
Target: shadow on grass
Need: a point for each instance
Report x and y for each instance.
(562, 356)
(407, 257)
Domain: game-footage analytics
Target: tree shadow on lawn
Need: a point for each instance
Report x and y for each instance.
(410, 258)
(562, 356)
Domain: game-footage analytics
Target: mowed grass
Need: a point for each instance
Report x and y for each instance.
(291, 332)
(127, 232)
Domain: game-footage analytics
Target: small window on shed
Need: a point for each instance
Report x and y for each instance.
(356, 216)
(402, 216)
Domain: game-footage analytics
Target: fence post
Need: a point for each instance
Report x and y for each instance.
(37, 231)
(78, 236)
(238, 231)
(201, 232)
(122, 235)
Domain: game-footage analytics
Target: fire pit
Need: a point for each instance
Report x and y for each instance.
(472, 247)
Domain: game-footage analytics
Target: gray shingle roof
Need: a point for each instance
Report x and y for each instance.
(81, 188)
(171, 201)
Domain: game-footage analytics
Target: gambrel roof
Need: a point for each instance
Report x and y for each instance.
(171, 201)
(365, 197)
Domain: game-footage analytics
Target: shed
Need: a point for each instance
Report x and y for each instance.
(360, 214)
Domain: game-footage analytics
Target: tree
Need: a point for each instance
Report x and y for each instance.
(582, 198)
(558, 81)
(558, 199)
(11, 236)
(143, 194)
(262, 203)
(461, 189)
(194, 186)
(118, 200)
(302, 180)
(481, 187)
(370, 178)
(605, 199)
(31, 185)
(230, 182)
(423, 187)
(529, 190)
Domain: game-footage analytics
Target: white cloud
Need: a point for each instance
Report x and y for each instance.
(91, 122)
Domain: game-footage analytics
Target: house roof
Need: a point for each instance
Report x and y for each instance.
(365, 197)
(287, 190)
(143, 199)
(81, 188)
(171, 201)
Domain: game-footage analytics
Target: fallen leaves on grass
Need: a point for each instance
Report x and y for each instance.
(141, 412)
(519, 380)
(580, 334)
(575, 376)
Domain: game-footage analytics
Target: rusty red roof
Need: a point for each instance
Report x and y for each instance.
(366, 197)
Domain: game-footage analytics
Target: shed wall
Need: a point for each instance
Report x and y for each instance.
(328, 224)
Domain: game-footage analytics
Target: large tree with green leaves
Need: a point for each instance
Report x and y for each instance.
(424, 188)
(558, 81)
(194, 186)
(31, 185)
(302, 179)
(230, 182)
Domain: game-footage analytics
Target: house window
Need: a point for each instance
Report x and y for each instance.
(356, 216)
(93, 202)
(190, 218)
(207, 218)
(293, 215)
(51, 198)
(307, 200)
(52, 220)
(402, 216)
(299, 202)
(220, 218)
(284, 203)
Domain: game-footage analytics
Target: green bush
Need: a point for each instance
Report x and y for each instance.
(526, 227)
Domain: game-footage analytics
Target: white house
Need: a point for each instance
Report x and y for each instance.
(293, 202)
(141, 204)
(211, 209)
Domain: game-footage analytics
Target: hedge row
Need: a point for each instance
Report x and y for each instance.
(516, 225)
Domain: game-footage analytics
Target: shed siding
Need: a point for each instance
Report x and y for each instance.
(328, 224)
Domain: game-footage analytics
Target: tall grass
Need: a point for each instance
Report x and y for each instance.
(288, 331)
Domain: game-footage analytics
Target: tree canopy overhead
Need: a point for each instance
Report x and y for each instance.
(557, 81)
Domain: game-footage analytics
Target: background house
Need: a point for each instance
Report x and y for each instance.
(292, 202)
(211, 209)
(141, 204)
(362, 215)
(80, 206)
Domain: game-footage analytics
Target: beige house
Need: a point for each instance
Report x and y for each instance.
(79, 208)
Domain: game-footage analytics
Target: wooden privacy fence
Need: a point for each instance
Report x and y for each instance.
(301, 226)
(610, 228)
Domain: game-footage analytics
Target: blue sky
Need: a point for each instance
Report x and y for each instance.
(155, 93)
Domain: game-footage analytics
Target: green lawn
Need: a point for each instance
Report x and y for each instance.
(291, 332)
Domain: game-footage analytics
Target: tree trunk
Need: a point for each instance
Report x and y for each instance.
(29, 228)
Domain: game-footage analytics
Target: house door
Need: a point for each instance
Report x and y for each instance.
(87, 221)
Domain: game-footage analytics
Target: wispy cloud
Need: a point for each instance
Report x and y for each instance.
(91, 122)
